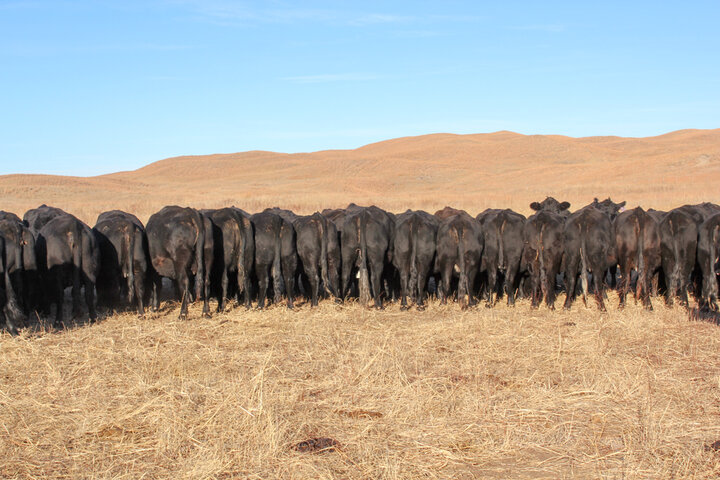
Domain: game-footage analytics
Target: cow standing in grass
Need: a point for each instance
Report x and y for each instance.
(179, 239)
(414, 253)
(543, 248)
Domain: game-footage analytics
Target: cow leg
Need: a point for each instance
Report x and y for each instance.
(669, 283)
(491, 288)
(59, 299)
(642, 289)
(314, 280)
(289, 282)
(509, 285)
(613, 277)
(376, 282)
(421, 283)
(183, 284)
(263, 281)
(446, 274)
(404, 287)
(9, 325)
(472, 275)
(90, 298)
(570, 285)
(599, 284)
(140, 294)
(536, 295)
(684, 300)
(155, 294)
(625, 271)
(224, 282)
(550, 292)
(76, 291)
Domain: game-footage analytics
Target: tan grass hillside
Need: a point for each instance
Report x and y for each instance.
(502, 169)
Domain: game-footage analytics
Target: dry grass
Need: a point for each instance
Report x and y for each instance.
(439, 394)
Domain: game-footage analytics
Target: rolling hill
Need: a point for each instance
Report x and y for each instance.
(501, 169)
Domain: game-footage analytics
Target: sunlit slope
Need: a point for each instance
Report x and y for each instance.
(430, 171)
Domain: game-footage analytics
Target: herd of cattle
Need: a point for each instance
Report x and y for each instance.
(362, 252)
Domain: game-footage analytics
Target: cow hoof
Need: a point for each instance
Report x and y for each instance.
(649, 308)
(488, 305)
(182, 316)
(420, 308)
(59, 325)
(403, 308)
(206, 315)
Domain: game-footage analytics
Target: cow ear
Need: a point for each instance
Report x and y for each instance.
(621, 204)
(566, 205)
(535, 206)
(596, 200)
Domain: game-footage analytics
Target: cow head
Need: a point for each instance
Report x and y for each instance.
(608, 207)
(551, 205)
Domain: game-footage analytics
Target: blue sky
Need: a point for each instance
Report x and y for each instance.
(90, 87)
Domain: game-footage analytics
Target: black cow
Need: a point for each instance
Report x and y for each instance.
(21, 262)
(319, 252)
(68, 255)
(708, 249)
(542, 255)
(275, 255)
(367, 240)
(459, 249)
(124, 255)
(36, 218)
(637, 239)
(503, 238)
(678, 246)
(234, 252)
(589, 248)
(181, 244)
(413, 253)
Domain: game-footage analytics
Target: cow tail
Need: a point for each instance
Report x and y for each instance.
(501, 246)
(364, 284)
(712, 280)
(200, 257)
(583, 265)
(463, 287)
(640, 233)
(241, 259)
(130, 245)
(276, 269)
(413, 287)
(324, 253)
(676, 268)
(541, 259)
(19, 248)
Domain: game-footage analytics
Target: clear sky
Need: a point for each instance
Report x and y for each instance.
(90, 87)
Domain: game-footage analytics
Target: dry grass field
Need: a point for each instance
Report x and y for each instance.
(445, 393)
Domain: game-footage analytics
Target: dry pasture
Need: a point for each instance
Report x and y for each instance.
(483, 393)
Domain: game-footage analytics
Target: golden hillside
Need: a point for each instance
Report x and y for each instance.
(502, 169)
